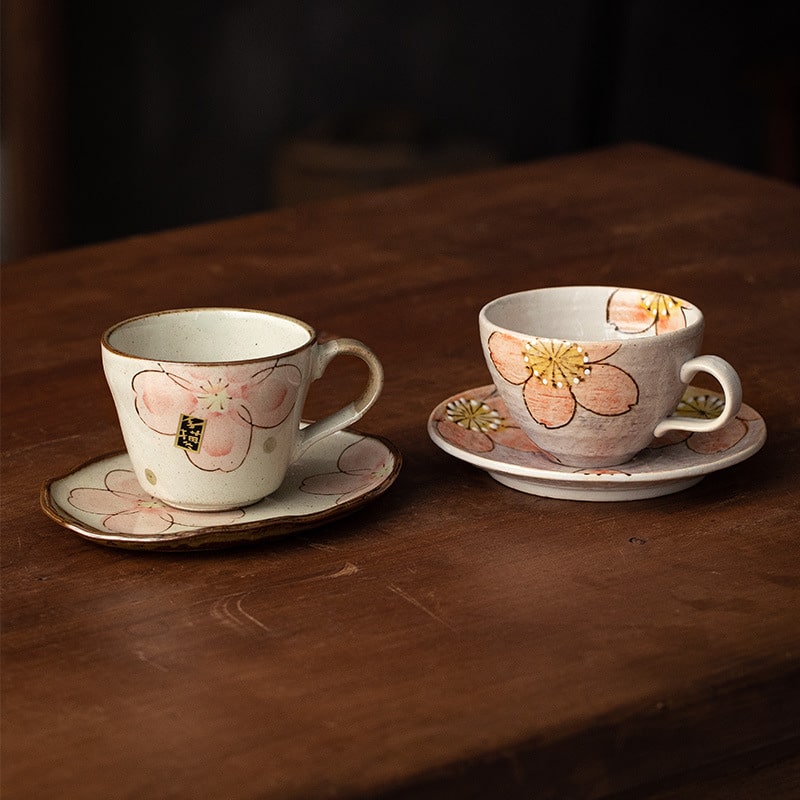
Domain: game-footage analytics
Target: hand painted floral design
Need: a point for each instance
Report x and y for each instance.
(232, 401)
(706, 406)
(127, 508)
(557, 376)
(635, 311)
(363, 465)
(478, 423)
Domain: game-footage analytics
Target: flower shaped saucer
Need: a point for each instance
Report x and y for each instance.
(476, 427)
(102, 501)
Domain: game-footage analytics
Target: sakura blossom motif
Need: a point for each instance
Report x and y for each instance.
(223, 406)
(558, 376)
(127, 508)
(654, 472)
(479, 423)
(635, 311)
(707, 406)
(362, 466)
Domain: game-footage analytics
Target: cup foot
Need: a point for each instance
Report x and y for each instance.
(209, 509)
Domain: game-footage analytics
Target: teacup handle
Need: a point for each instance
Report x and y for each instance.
(731, 388)
(352, 412)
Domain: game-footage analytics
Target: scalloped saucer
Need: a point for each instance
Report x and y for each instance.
(476, 427)
(103, 502)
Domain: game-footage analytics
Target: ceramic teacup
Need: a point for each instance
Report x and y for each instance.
(210, 400)
(592, 373)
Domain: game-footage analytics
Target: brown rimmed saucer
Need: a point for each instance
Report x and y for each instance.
(102, 501)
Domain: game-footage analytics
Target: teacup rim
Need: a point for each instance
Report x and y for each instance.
(108, 347)
(690, 329)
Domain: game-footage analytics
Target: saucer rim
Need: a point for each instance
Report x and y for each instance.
(589, 480)
(213, 536)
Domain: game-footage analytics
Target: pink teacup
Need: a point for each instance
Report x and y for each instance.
(592, 373)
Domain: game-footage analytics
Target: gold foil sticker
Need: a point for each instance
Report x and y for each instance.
(190, 433)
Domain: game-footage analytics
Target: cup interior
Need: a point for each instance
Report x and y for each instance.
(576, 313)
(208, 335)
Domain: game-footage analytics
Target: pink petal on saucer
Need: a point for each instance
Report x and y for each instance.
(197, 519)
(670, 438)
(365, 456)
(516, 439)
(123, 481)
(474, 441)
(100, 501)
(334, 483)
(718, 441)
(143, 521)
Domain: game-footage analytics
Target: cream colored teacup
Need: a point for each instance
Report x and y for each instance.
(210, 400)
(592, 373)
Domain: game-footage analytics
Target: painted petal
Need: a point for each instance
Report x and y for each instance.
(608, 391)
(718, 441)
(515, 439)
(492, 399)
(670, 438)
(124, 481)
(101, 501)
(548, 405)
(197, 519)
(671, 322)
(600, 351)
(366, 456)
(474, 441)
(160, 401)
(358, 492)
(626, 312)
(226, 442)
(139, 521)
(333, 483)
(747, 413)
(270, 395)
(507, 355)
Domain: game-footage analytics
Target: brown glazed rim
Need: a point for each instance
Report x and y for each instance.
(106, 344)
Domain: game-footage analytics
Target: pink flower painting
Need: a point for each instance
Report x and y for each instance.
(707, 406)
(362, 466)
(479, 423)
(557, 376)
(127, 508)
(227, 404)
(635, 311)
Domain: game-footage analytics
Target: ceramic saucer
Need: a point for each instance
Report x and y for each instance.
(103, 502)
(475, 427)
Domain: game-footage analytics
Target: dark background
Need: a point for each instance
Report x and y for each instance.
(170, 113)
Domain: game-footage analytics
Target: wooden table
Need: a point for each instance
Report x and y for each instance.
(454, 638)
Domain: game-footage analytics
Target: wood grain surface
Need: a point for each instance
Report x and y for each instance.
(455, 638)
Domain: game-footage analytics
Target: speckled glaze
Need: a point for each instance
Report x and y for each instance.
(592, 373)
(210, 400)
(475, 426)
(103, 502)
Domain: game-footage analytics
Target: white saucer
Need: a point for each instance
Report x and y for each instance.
(486, 436)
(102, 501)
